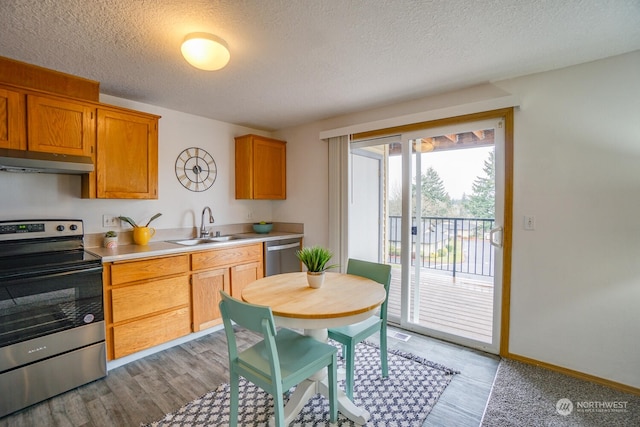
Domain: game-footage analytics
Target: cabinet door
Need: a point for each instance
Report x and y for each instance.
(127, 156)
(12, 120)
(269, 161)
(206, 287)
(60, 126)
(243, 275)
(260, 168)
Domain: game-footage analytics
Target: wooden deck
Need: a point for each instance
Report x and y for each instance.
(459, 306)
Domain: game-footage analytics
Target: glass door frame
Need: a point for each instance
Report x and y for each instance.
(508, 115)
(410, 305)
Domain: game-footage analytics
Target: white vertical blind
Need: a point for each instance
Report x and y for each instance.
(339, 199)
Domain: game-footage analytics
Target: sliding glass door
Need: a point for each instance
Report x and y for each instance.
(430, 204)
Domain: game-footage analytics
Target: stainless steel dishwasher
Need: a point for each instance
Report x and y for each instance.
(280, 256)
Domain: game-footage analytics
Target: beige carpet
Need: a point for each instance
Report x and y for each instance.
(526, 395)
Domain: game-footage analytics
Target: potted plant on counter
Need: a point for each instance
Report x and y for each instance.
(315, 258)
(141, 234)
(110, 239)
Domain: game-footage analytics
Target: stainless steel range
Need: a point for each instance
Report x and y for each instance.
(52, 331)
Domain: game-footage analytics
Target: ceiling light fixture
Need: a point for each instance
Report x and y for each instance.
(205, 51)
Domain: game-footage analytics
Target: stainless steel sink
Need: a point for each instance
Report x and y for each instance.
(223, 238)
(204, 241)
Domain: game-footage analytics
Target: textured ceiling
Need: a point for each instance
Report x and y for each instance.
(296, 61)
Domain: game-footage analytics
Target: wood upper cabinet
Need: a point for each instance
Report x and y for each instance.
(261, 168)
(12, 120)
(58, 125)
(126, 157)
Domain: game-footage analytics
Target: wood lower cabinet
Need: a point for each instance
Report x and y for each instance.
(243, 275)
(150, 331)
(205, 288)
(154, 300)
(229, 269)
(147, 303)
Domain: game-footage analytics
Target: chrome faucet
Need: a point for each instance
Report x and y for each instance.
(203, 230)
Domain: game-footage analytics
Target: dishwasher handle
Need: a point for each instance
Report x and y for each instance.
(283, 247)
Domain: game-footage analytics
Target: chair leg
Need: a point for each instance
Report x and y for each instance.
(278, 409)
(333, 389)
(383, 353)
(234, 399)
(350, 356)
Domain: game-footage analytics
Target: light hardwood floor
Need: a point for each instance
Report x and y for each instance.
(144, 390)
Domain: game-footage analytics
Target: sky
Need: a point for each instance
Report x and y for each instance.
(457, 168)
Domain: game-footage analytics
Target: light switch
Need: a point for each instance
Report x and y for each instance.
(529, 222)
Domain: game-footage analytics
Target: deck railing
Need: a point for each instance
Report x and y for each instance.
(458, 245)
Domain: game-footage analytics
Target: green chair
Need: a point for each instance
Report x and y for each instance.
(283, 358)
(349, 336)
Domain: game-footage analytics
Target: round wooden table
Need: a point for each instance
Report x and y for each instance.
(343, 299)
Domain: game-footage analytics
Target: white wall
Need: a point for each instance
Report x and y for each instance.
(307, 183)
(576, 279)
(58, 196)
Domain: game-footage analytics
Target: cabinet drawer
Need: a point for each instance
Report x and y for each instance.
(129, 302)
(148, 269)
(226, 257)
(142, 334)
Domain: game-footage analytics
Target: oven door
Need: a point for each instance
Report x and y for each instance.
(32, 307)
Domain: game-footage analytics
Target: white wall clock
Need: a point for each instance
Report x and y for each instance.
(195, 169)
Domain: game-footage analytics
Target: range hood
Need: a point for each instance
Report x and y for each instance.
(36, 162)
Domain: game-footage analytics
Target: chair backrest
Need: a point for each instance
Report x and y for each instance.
(381, 273)
(256, 318)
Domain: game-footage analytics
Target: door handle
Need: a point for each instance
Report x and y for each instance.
(497, 231)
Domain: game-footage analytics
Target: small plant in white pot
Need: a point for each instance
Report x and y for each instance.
(315, 258)
(110, 239)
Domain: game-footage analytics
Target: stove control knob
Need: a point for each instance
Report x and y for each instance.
(60, 228)
(73, 227)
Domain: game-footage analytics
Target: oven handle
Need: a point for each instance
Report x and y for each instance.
(73, 270)
(51, 273)
(283, 247)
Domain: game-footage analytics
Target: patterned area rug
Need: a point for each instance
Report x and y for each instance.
(405, 398)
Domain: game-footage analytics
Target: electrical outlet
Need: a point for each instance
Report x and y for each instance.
(110, 221)
(250, 215)
(529, 222)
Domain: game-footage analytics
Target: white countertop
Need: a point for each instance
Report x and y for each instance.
(161, 248)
